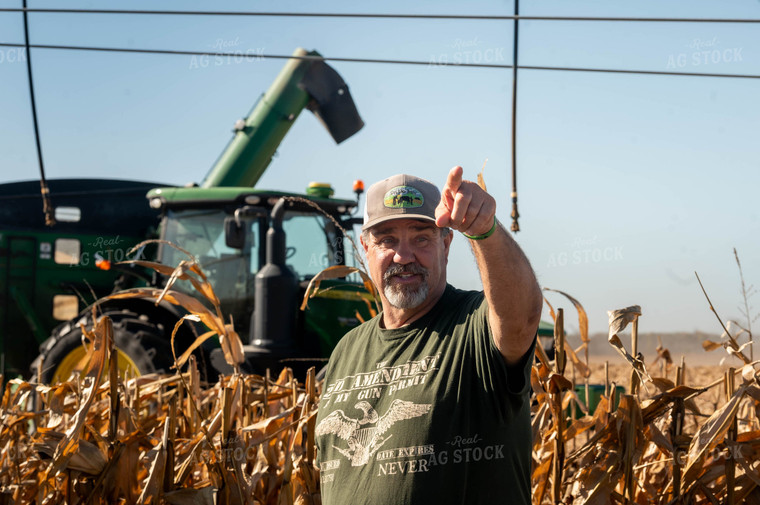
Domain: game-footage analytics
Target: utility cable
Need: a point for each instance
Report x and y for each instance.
(383, 16)
(372, 60)
(515, 215)
(515, 18)
(256, 56)
(47, 208)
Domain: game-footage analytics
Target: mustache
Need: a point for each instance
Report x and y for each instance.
(411, 268)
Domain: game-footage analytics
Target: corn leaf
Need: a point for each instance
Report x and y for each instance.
(709, 435)
(582, 316)
(337, 272)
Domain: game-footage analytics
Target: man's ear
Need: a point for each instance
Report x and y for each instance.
(364, 244)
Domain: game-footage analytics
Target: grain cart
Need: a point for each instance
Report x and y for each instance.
(258, 248)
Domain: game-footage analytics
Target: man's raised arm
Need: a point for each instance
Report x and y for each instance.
(510, 286)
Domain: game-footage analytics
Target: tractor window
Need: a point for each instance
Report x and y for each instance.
(310, 243)
(68, 214)
(201, 233)
(65, 307)
(67, 251)
(349, 252)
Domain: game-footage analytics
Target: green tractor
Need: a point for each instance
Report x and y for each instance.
(259, 249)
(46, 273)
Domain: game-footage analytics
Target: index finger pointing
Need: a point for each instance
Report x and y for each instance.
(454, 180)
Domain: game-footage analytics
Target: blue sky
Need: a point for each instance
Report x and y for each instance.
(627, 183)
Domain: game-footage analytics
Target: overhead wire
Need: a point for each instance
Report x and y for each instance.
(515, 227)
(515, 18)
(47, 207)
(483, 17)
(252, 56)
(261, 56)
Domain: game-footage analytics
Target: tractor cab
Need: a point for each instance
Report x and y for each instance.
(260, 261)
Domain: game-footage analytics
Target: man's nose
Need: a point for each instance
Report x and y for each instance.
(404, 253)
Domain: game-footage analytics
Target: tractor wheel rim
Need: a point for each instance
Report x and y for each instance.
(75, 361)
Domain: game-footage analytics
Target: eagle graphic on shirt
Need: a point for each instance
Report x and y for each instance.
(364, 440)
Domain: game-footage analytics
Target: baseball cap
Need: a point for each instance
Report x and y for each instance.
(400, 197)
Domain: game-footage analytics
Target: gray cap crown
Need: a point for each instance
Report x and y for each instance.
(400, 197)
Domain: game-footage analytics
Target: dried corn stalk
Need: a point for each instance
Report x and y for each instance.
(249, 440)
(252, 447)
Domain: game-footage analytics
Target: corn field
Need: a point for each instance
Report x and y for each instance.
(103, 439)
(100, 438)
(245, 440)
(652, 445)
(249, 439)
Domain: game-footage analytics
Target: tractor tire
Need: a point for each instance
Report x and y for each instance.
(143, 348)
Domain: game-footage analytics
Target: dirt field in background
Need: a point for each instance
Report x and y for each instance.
(697, 376)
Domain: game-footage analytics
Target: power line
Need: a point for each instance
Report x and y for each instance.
(640, 72)
(47, 207)
(261, 56)
(383, 16)
(515, 215)
(257, 56)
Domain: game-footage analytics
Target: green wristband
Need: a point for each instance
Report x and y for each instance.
(485, 235)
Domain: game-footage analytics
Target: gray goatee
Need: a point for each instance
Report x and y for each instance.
(401, 296)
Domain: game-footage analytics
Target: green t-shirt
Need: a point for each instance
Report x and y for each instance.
(427, 413)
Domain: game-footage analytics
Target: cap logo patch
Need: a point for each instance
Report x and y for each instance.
(403, 197)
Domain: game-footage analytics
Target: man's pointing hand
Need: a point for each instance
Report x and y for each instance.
(465, 206)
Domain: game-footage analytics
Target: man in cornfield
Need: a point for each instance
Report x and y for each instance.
(429, 401)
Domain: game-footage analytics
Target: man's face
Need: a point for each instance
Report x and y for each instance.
(407, 260)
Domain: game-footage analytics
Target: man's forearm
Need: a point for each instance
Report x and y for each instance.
(510, 286)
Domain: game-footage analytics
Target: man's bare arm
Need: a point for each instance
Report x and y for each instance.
(510, 286)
